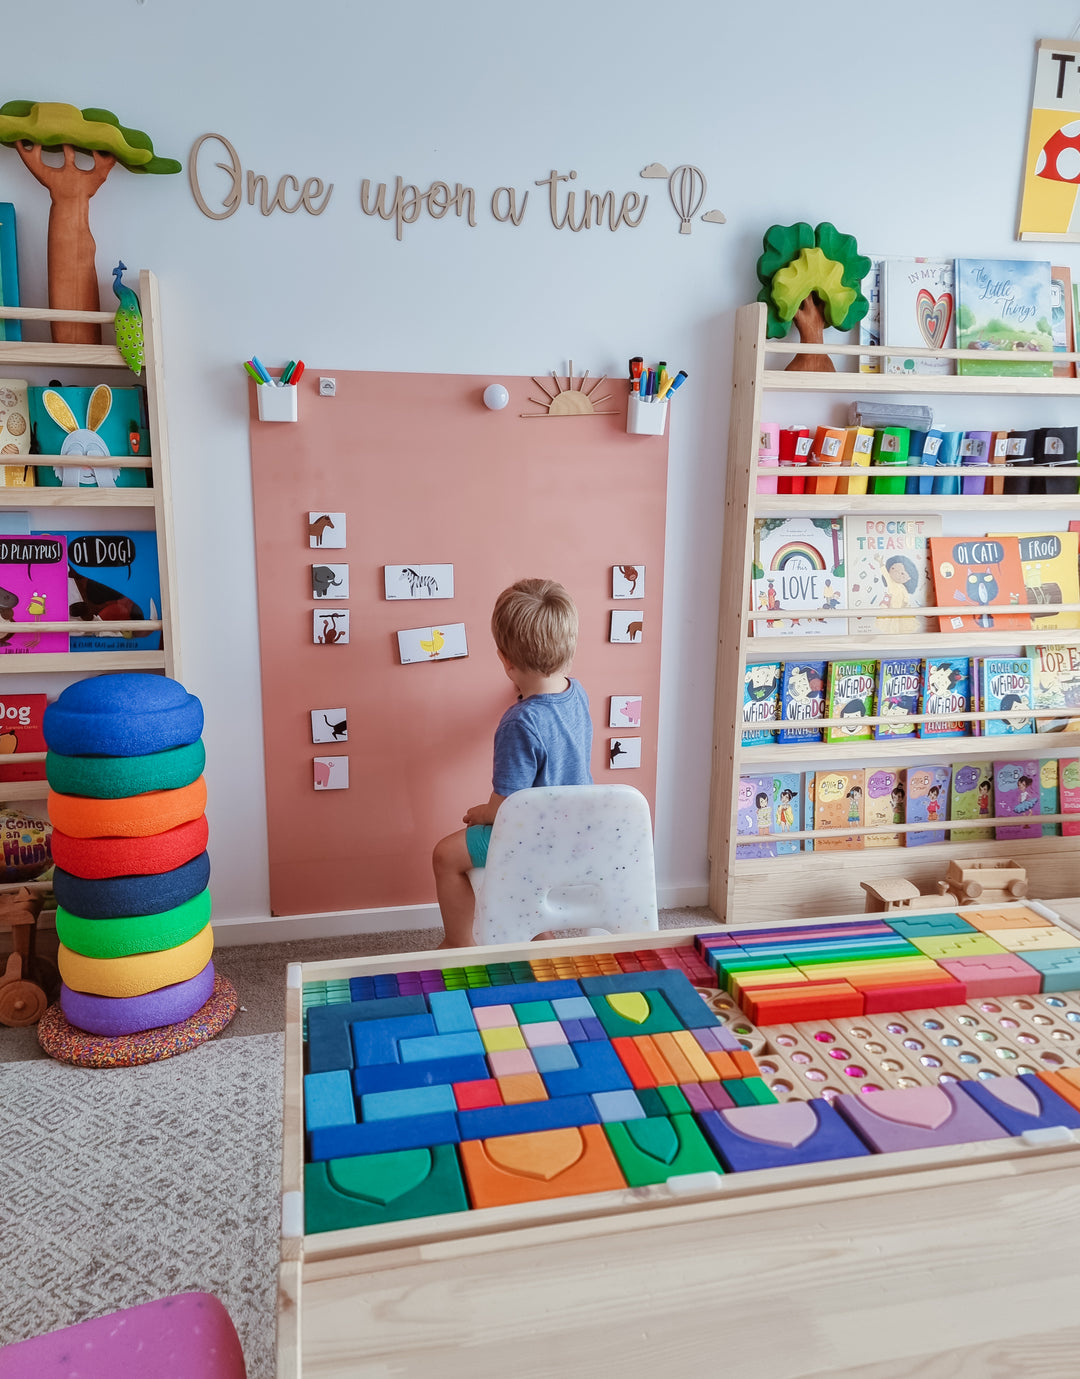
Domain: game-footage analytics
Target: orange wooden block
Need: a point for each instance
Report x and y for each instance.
(985, 920)
(745, 1063)
(655, 1060)
(674, 1057)
(721, 1061)
(695, 1056)
(517, 1087)
(539, 1166)
(1066, 1082)
(630, 1057)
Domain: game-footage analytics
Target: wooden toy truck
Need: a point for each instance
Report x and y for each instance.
(964, 882)
(28, 982)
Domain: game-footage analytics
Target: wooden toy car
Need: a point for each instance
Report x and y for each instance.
(27, 982)
(897, 893)
(986, 880)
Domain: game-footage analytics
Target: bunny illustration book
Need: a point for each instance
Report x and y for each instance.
(94, 423)
(33, 588)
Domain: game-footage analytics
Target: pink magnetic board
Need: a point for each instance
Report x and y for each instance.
(427, 475)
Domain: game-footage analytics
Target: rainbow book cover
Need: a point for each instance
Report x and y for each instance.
(1004, 304)
(888, 566)
(885, 796)
(1056, 685)
(838, 804)
(898, 685)
(1005, 686)
(850, 694)
(769, 806)
(981, 577)
(802, 699)
(918, 299)
(927, 802)
(1049, 562)
(761, 702)
(33, 588)
(798, 569)
(946, 688)
(972, 798)
(1017, 796)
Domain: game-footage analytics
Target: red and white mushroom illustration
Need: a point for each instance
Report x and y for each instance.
(1059, 157)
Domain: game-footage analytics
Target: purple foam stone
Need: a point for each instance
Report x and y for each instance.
(113, 1016)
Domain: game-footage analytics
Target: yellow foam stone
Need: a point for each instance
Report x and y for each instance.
(137, 975)
(630, 1005)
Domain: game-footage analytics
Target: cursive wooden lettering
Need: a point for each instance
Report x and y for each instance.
(511, 211)
(257, 186)
(407, 201)
(595, 205)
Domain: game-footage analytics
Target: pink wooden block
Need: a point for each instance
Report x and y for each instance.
(506, 1062)
(994, 974)
(545, 1032)
(494, 1017)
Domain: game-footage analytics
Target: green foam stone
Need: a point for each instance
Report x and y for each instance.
(370, 1189)
(651, 1151)
(115, 778)
(126, 937)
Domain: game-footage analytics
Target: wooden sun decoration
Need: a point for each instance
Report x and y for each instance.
(570, 401)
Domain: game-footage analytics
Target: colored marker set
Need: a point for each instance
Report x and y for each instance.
(276, 397)
(646, 412)
(290, 375)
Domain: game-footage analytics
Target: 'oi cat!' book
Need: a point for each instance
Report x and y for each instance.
(983, 577)
(850, 694)
(1017, 795)
(927, 802)
(946, 688)
(761, 702)
(802, 700)
(898, 686)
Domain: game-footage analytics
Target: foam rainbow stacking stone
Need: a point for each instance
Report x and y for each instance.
(127, 801)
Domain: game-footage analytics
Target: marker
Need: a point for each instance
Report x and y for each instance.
(661, 374)
(260, 368)
(677, 381)
(650, 386)
(636, 365)
(287, 372)
(296, 374)
(251, 371)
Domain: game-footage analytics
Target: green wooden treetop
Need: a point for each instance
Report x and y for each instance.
(800, 262)
(51, 124)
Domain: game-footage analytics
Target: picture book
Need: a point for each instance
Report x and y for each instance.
(1048, 795)
(1055, 684)
(870, 325)
(802, 697)
(768, 808)
(838, 804)
(1003, 304)
(1062, 326)
(897, 698)
(9, 273)
(761, 701)
(978, 573)
(927, 802)
(20, 731)
(1069, 793)
(918, 310)
(888, 566)
(884, 805)
(798, 567)
(850, 694)
(946, 688)
(1016, 795)
(1049, 563)
(33, 587)
(972, 798)
(113, 576)
(1005, 683)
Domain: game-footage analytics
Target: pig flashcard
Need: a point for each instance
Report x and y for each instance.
(624, 752)
(330, 626)
(628, 582)
(331, 773)
(444, 643)
(329, 725)
(329, 581)
(418, 581)
(625, 711)
(626, 624)
(326, 531)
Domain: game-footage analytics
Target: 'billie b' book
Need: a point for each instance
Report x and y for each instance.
(884, 805)
(837, 798)
(1016, 795)
(927, 802)
(972, 798)
(769, 807)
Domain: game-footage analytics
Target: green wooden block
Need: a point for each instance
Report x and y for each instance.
(534, 1012)
(627, 1013)
(674, 1100)
(653, 1150)
(454, 972)
(959, 946)
(522, 971)
(370, 1189)
(739, 1092)
(652, 1103)
(757, 1089)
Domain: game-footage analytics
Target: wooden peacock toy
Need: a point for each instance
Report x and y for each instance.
(129, 322)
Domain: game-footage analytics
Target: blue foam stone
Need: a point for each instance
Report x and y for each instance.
(599, 1070)
(452, 1012)
(407, 1101)
(118, 897)
(328, 1100)
(377, 1041)
(393, 1077)
(329, 1043)
(526, 1116)
(384, 1136)
(523, 991)
(124, 715)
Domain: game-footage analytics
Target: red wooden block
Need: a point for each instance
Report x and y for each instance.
(880, 1000)
(636, 1067)
(475, 1096)
(813, 1001)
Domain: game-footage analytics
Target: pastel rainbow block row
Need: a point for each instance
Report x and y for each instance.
(127, 802)
(794, 972)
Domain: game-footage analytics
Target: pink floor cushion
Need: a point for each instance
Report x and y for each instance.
(190, 1336)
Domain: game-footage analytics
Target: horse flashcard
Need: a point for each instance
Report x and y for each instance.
(326, 531)
(444, 643)
(329, 725)
(331, 773)
(625, 711)
(624, 752)
(330, 626)
(628, 582)
(329, 581)
(419, 581)
(626, 624)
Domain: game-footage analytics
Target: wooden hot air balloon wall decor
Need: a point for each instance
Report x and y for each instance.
(687, 186)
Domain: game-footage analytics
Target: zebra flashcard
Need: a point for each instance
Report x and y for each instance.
(419, 581)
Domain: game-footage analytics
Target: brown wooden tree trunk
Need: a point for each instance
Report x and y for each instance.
(810, 323)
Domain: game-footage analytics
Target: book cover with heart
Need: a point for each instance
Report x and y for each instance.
(919, 301)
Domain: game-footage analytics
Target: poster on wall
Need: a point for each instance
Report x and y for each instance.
(1049, 206)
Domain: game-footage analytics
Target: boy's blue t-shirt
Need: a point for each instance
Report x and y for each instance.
(544, 740)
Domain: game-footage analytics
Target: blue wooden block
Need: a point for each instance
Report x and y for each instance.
(1060, 967)
(618, 1106)
(383, 1136)
(573, 1008)
(328, 1100)
(441, 1046)
(378, 1041)
(600, 1071)
(526, 1116)
(573, 1031)
(593, 1029)
(522, 991)
(780, 1134)
(329, 1043)
(452, 1012)
(393, 1077)
(677, 988)
(554, 1058)
(930, 926)
(409, 1101)
(1022, 1103)
(362, 988)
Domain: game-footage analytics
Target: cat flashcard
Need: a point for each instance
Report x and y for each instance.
(331, 773)
(329, 725)
(624, 752)
(330, 626)
(628, 582)
(418, 581)
(326, 531)
(329, 581)
(446, 642)
(625, 711)
(626, 624)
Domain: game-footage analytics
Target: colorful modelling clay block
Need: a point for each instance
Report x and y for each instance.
(451, 1012)
(329, 1042)
(114, 1018)
(532, 1167)
(526, 1117)
(1059, 968)
(1032, 940)
(971, 945)
(677, 988)
(779, 1135)
(994, 974)
(554, 1058)
(384, 1136)
(522, 992)
(599, 1070)
(101, 858)
(136, 976)
(439, 1072)
(408, 1101)
(660, 1147)
(1022, 1103)
(123, 715)
(328, 1100)
(927, 926)
(379, 1041)
(918, 1118)
(113, 777)
(373, 1189)
(138, 816)
(117, 897)
(124, 938)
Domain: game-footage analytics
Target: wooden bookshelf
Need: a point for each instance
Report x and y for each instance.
(809, 883)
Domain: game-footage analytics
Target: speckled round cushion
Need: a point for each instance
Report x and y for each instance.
(116, 897)
(132, 934)
(113, 778)
(112, 1018)
(137, 975)
(95, 858)
(138, 816)
(124, 715)
(70, 1044)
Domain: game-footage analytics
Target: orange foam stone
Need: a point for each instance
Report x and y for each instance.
(539, 1166)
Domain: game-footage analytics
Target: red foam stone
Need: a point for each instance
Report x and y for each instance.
(636, 1067)
(475, 1096)
(880, 1000)
(995, 974)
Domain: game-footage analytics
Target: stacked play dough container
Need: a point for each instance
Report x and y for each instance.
(127, 802)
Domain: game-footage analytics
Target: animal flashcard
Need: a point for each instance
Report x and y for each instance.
(329, 581)
(419, 581)
(624, 752)
(330, 627)
(331, 773)
(628, 582)
(625, 711)
(444, 643)
(626, 624)
(326, 531)
(329, 725)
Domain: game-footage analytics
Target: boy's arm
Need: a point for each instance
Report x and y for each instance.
(484, 813)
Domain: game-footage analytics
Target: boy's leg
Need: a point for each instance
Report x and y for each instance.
(451, 863)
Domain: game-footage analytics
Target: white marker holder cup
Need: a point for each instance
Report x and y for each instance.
(276, 403)
(645, 418)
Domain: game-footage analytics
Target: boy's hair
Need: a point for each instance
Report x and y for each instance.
(535, 625)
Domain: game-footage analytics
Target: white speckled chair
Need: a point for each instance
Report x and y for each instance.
(567, 857)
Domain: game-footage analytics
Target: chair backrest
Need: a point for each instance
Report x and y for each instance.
(567, 857)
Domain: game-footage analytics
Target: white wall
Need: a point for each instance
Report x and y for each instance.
(904, 125)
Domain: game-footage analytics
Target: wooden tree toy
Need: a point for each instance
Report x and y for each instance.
(33, 126)
(24, 981)
(811, 277)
